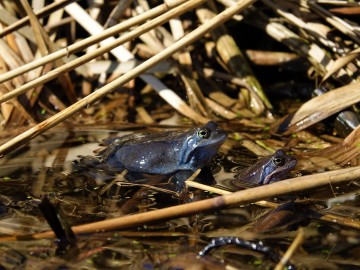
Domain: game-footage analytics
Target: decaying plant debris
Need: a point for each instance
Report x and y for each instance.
(274, 74)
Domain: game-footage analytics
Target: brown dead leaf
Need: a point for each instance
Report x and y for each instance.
(323, 106)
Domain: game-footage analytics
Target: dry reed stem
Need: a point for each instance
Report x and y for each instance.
(298, 184)
(39, 14)
(340, 63)
(335, 21)
(331, 218)
(208, 72)
(220, 110)
(300, 23)
(81, 45)
(195, 96)
(228, 51)
(100, 93)
(121, 53)
(293, 247)
(207, 188)
(315, 55)
(99, 52)
(26, 32)
(36, 27)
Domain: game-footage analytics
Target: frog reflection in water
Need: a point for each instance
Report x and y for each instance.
(176, 153)
(269, 169)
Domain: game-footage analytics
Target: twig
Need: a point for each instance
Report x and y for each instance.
(39, 14)
(228, 51)
(168, 95)
(78, 46)
(240, 197)
(207, 188)
(122, 54)
(36, 27)
(335, 21)
(294, 245)
(220, 110)
(331, 218)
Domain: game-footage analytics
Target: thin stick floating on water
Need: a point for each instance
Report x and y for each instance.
(241, 197)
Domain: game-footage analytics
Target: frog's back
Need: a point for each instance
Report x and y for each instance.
(157, 157)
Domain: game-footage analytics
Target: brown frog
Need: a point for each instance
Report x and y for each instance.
(268, 169)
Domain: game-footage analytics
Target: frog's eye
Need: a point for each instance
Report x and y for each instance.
(203, 133)
(278, 161)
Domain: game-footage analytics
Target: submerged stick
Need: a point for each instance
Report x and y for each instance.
(241, 197)
(320, 215)
(299, 239)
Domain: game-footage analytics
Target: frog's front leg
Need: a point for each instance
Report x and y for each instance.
(179, 180)
(205, 177)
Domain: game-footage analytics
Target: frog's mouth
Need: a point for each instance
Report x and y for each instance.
(220, 138)
(213, 146)
(219, 141)
(206, 151)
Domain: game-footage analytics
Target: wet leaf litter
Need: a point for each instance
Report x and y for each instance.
(143, 135)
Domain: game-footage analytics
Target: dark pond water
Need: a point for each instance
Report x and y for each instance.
(44, 169)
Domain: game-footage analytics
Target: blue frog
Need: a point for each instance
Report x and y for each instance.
(178, 153)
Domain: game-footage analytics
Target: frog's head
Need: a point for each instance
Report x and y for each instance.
(202, 144)
(277, 167)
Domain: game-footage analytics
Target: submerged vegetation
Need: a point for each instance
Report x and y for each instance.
(82, 80)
